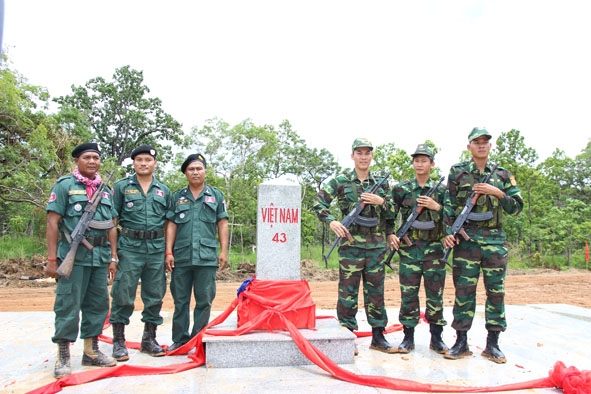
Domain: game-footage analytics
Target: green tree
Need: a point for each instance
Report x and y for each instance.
(120, 116)
(32, 151)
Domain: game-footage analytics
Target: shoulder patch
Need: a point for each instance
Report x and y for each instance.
(513, 181)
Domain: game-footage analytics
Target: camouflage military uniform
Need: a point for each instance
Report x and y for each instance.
(420, 260)
(363, 258)
(486, 248)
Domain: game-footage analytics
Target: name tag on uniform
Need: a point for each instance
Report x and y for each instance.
(74, 192)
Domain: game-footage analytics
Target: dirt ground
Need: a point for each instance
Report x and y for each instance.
(24, 288)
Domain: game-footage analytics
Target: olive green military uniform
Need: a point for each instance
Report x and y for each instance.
(195, 257)
(486, 250)
(86, 291)
(420, 260)
(362, 259)
(140, 248)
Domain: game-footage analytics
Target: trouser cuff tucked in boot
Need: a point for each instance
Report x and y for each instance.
(119, 348)
(62, 363)
(379, 342)
(94, 357)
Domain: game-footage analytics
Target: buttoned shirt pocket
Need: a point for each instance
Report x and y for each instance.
(76, 204)
(134, 203)
(208, 213)
(160, 204)
(182, 213)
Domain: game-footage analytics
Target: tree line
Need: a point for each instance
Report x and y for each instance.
(120, 114)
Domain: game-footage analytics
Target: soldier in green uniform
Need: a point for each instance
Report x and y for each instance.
(363, 245)
(420, 258)
(196, 217)
(86, 291)
(141, 201)
(486, 249)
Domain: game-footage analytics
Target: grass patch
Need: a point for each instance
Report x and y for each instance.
(21, 247)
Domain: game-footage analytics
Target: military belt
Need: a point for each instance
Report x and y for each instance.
(142, 234)
(94, 241)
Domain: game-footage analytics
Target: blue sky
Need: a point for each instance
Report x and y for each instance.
(391, 71)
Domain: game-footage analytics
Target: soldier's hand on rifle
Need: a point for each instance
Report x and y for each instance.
(450, 241)
(428, 202)
(51, 268)
(486, 188)
(373, 199)
(393, 242)
(340, 230)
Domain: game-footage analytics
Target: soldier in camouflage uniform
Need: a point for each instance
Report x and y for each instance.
(420, 258)
(485, 249)
(363, 246)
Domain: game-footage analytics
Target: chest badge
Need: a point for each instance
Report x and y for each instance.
(77, 207)
(181, 215)
(129, 205)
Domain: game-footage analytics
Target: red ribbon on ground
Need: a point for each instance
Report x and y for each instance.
(569, 379)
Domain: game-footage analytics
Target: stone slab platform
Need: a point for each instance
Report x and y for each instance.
(277, 349)
(537, 337)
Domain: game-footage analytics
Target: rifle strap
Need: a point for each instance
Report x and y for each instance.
(101, 224)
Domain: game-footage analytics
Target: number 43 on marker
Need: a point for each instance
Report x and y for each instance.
(279, 237)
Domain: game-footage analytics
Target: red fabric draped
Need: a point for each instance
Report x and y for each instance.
(569, 379)
(292, 299)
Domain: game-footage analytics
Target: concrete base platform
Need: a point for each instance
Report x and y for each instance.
(537, 337)
(277, 349)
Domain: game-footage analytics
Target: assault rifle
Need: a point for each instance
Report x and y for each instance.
(466, 214)
(77, 236)
(410, 223)
(354, 218)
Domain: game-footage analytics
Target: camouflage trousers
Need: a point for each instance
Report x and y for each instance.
(433, 274)
(355, 265)
(469, 258)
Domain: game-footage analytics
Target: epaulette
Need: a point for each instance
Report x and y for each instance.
(63, 178)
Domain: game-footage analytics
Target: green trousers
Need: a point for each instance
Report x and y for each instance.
(85, 294)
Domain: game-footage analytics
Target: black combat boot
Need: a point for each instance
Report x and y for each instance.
(62, 363)
(460, 348)
(408, 342)
(378, 341)
(492, 351)
(94, 357)
(149, 344)
(119, 348)
(437, 343)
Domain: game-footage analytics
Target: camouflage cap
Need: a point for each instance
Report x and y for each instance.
(423, 149)
(478, 132)
(362, 143)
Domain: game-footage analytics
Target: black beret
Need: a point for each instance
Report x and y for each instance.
(192, 158)
(87, 146)
(143, 149)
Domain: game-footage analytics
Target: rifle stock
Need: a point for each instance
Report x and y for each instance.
(403, 231)
(353, 215)
(66, 266)
(457, 227)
